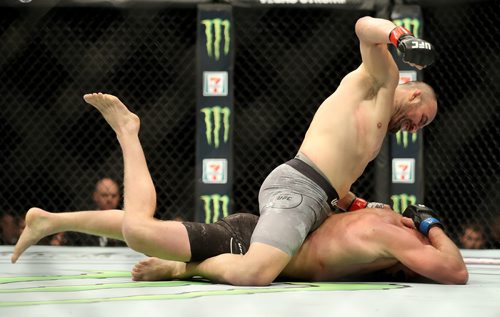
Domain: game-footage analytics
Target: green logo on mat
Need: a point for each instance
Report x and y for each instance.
(118, 291)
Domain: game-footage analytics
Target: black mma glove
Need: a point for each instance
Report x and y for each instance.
(423, 217)
(359, 203)
(415, 51)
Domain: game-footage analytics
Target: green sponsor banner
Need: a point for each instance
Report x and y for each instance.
(401, 201)
(215, 207)
(218, 37)
(215, 112)
(217, 124)
(406, 148)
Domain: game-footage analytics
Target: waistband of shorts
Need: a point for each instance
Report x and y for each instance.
(310, 172)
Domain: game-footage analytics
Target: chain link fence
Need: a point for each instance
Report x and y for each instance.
(462, 145)
(54, 147)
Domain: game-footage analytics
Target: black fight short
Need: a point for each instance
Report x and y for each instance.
(229, 235)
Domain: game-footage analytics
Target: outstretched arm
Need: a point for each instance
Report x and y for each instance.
(374, 35)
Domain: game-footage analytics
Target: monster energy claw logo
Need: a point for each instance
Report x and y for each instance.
(220, 116)
(401, 201)
(213, 205)
(403, 138)
(214, 31)
(411, 24)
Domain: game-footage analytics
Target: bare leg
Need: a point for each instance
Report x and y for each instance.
(143, 233)
(155, 269)
(40, 223)
(140, 193)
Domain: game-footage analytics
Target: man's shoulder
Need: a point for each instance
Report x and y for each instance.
(358, 81)
(362, 79)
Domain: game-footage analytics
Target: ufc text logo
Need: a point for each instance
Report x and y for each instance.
(420, 44)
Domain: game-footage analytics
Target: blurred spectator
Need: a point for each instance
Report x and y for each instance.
(472, 236)
(106, 196)
(9, 228)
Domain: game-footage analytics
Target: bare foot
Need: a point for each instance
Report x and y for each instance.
(38, 225)
(115, 113)
(154, 269)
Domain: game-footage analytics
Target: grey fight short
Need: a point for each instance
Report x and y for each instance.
(291, 205)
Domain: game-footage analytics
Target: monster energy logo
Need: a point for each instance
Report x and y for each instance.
(412, 24)
(220, 118)
(213, 205)
(214, 29)
(403, 138)
(401, 201)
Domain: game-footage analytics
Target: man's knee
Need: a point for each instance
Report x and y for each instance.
(248, 276)
(260, 266)
(133, 233)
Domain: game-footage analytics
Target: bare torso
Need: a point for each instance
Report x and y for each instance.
(344, 245)
(348, 129)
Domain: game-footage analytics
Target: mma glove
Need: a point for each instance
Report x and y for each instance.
(423, 217)
(359, 203)
(414, 51)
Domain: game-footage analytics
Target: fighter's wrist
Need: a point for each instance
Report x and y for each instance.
(357, 203)
(397, 33)
(428, 224)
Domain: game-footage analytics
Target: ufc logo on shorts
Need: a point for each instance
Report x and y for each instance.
(420, 44)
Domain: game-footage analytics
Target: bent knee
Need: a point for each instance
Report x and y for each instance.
(134, 233)
(260, 266)
(249, 278)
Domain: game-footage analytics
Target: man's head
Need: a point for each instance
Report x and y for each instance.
(416, 107)
(106, 194)
(472, 237)
(9, 229)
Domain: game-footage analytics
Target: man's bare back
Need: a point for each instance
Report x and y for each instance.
(347, 244)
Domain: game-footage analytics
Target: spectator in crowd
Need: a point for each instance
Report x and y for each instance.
(106, 196)
(472, 236)
(9, 228)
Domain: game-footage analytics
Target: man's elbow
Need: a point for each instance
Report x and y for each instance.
(458, 276)
(462, 276)
(362, 25)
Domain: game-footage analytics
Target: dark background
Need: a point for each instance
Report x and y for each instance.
(54, 147)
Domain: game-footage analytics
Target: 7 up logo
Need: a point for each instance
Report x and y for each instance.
(216, 123)
(404, 137)
(213, 205)
(217, 32)
(401, 201)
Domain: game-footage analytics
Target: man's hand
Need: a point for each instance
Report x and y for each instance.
(423, 217)
(415, 52)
